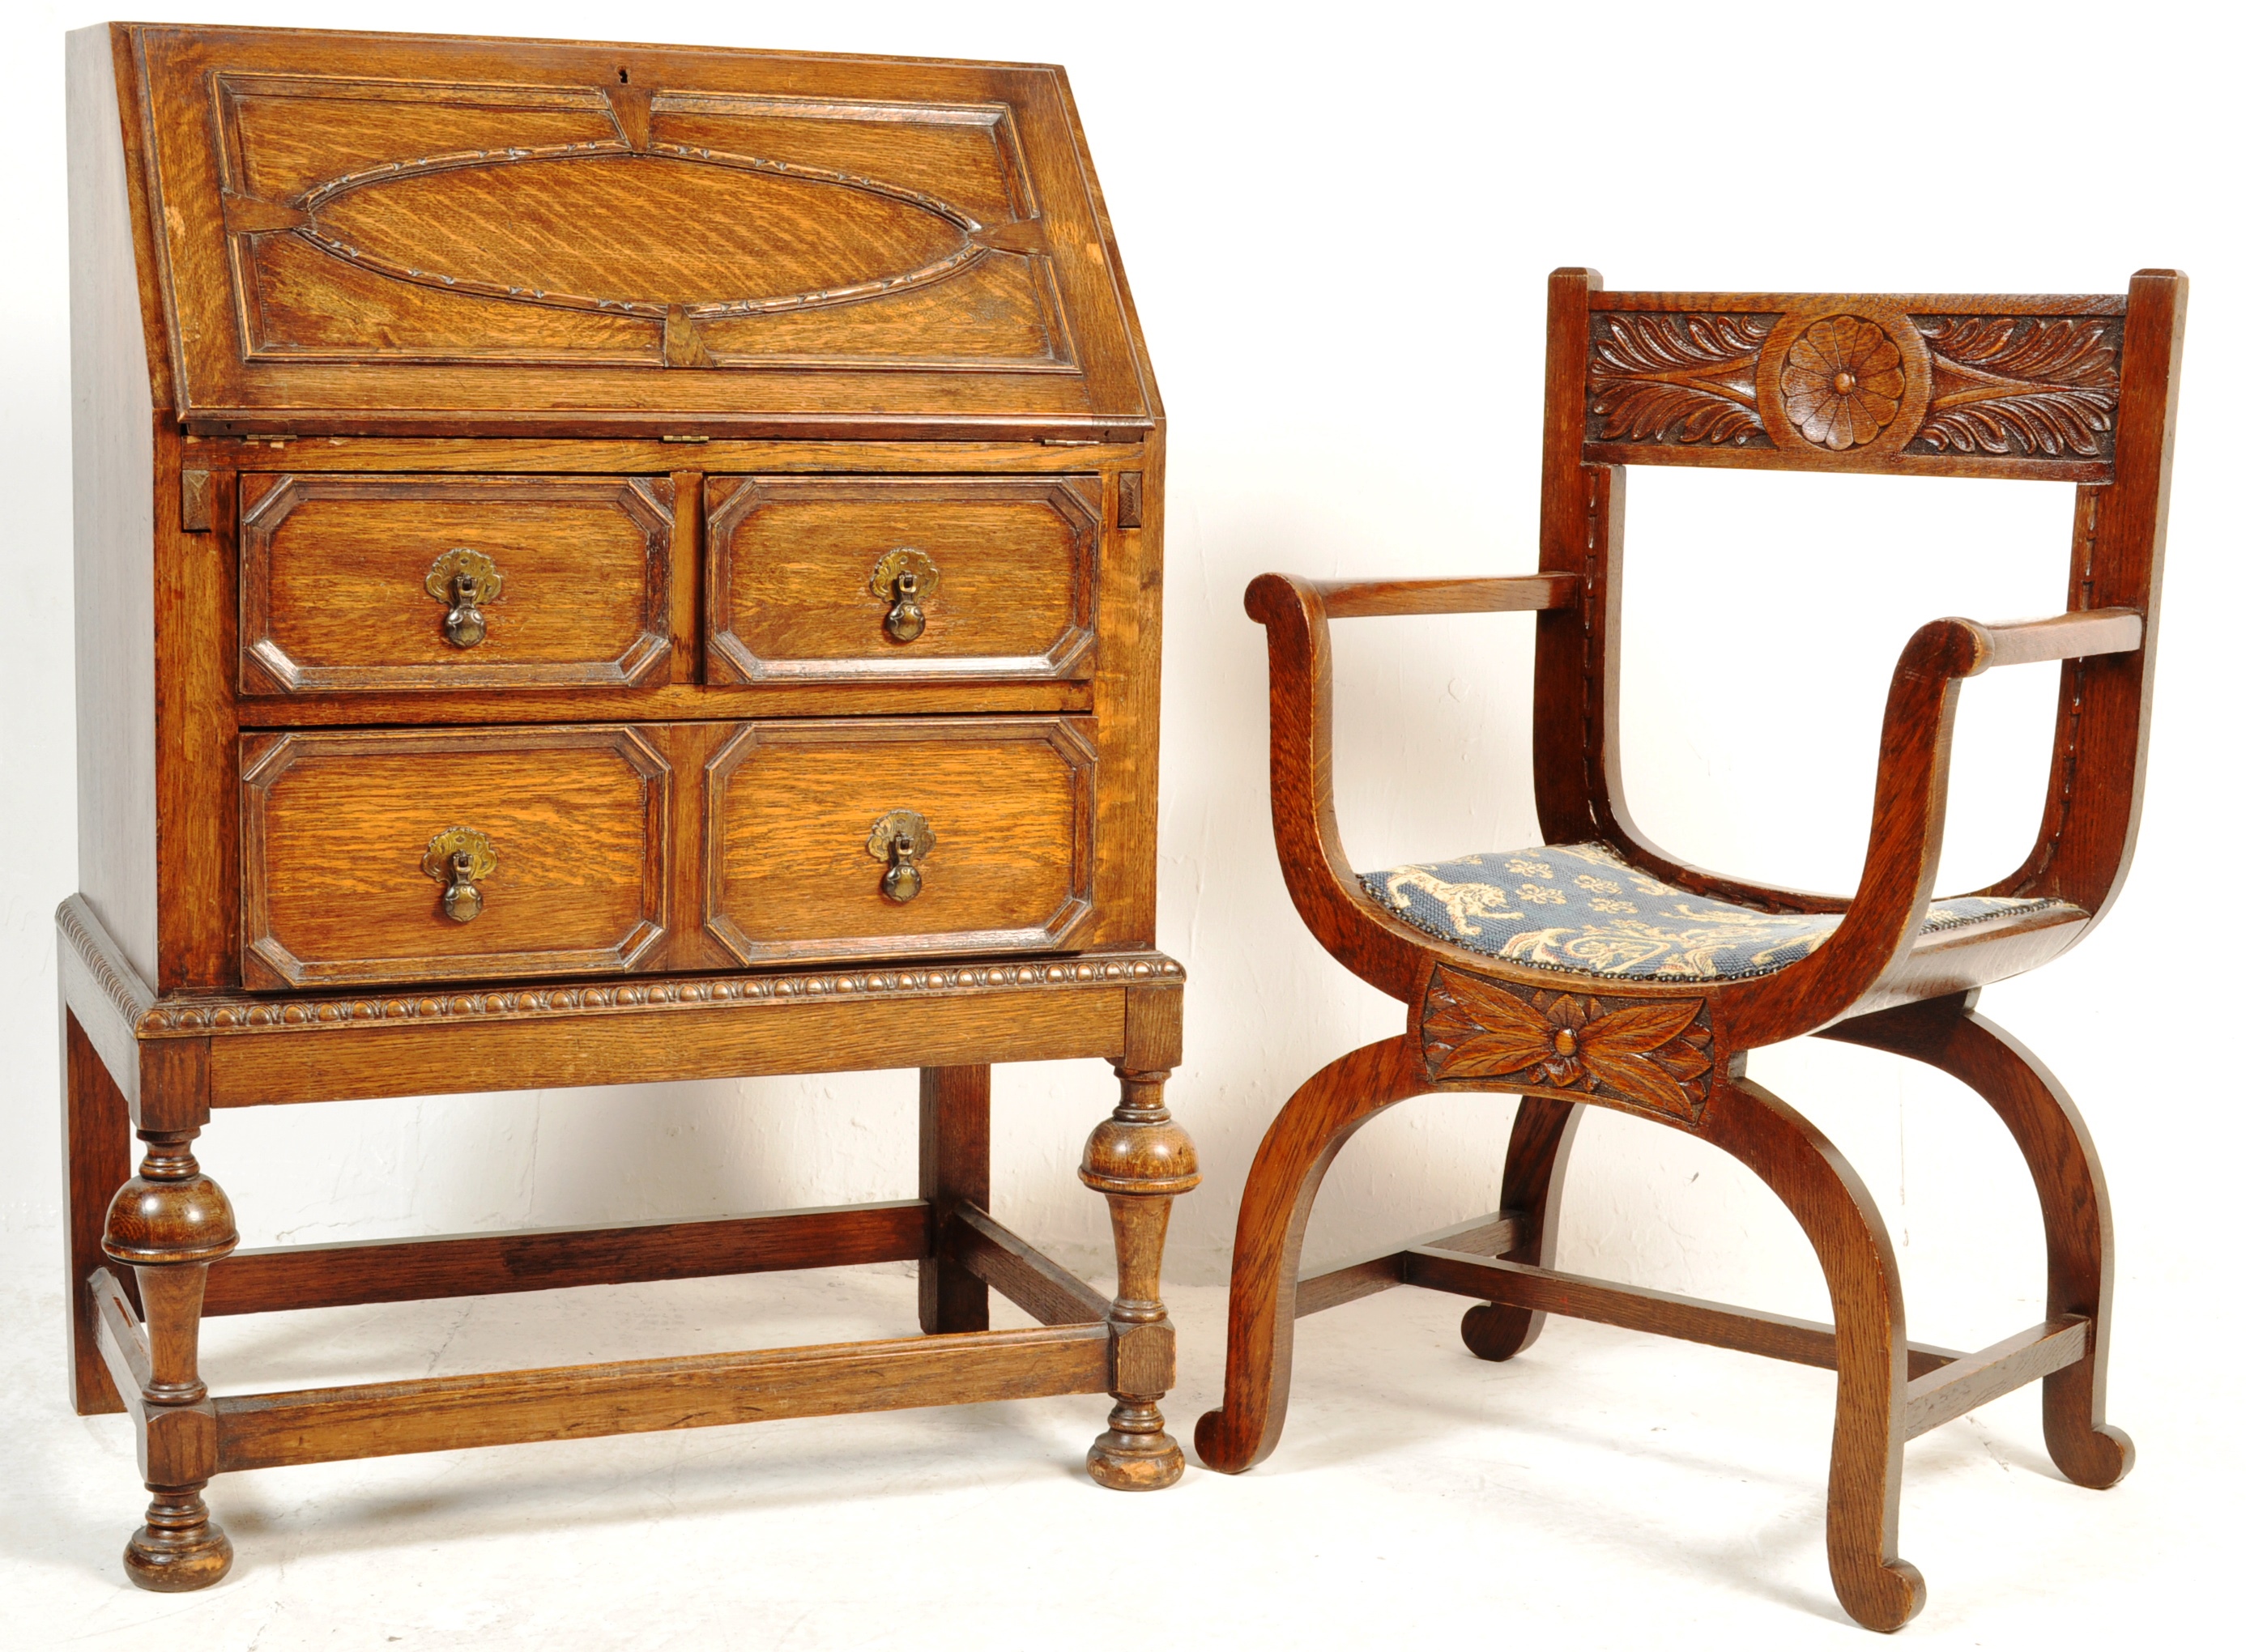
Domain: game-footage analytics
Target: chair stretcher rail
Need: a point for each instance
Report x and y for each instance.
(1803, 1341)
(1368, 1276)
(1974, 1379)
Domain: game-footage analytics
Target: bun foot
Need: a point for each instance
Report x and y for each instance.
(180, 1548)
(1135, 1454)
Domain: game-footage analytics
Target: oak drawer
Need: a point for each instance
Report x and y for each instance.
(347, 871)
(354, 583)
(803, 571)
(793, 868)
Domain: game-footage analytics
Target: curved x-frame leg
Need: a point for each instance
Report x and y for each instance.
(1826, 1198)
(2077, 1223)
(1535, 1166)
(1790, 1154)
(1275, 1208)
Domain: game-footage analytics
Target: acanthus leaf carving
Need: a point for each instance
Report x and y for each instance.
(1649, 1054)
(1677, 377)
(2044, 385)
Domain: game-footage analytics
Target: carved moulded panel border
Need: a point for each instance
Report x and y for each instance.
(1649, 1054)
(489, 233)
(1856, 378)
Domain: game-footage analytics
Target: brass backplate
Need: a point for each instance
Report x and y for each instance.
(483, 859)
(458, 560)
(903, 560)
(900, 823)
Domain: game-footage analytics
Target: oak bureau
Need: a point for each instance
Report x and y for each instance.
(600, 564)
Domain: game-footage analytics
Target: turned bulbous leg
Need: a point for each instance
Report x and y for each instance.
(168, 1224)
(1140, 1159)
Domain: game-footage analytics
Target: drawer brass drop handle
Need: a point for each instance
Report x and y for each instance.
(903, 840)
(906, 580)
(458, 857)
(463, 581)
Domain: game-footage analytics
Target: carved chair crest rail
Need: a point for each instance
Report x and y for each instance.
(1597, 970)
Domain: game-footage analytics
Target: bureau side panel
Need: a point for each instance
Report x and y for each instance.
(113, 462)
(1127, 698)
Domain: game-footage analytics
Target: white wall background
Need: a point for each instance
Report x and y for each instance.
(1337, 225)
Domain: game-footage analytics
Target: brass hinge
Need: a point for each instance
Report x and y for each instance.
(686, 438)
(1071, 441)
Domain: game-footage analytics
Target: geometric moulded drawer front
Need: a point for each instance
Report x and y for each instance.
(1003, 806)
(901, 579)
(409, 854)
(389, 583)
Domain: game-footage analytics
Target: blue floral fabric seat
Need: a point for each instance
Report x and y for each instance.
(1577, 906)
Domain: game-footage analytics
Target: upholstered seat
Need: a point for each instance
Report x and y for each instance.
(1580, 907)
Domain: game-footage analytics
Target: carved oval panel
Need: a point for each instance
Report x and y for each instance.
(584, 228)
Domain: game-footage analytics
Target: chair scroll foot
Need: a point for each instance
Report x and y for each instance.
(179, 1547)
(1535, 1166)
(1885, 1598)
(1274, 1209)
(1950, 1036)
(1877, 1587)
(1140, 1159)
(169, 1223)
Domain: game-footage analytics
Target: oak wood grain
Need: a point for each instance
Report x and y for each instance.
(443, 1414)
(2065, 388)
(954, 1173)
(1019, 1271)
(337, 827)
(1334, 1283)
(1972, 1380)
(1800, 1341)
(368, 279)
(335, 569)
(292, 1276)
(792, 594)
(790, 808)
(344, 330)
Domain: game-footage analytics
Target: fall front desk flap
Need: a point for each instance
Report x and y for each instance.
(483, 231)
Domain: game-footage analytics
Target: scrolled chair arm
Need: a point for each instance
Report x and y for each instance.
(1910, 796)
(1294, 612)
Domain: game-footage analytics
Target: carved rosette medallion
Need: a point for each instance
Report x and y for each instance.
(1648, 1054)
(1842, 382)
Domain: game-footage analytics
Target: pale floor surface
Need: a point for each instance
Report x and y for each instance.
(1602, 1490)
